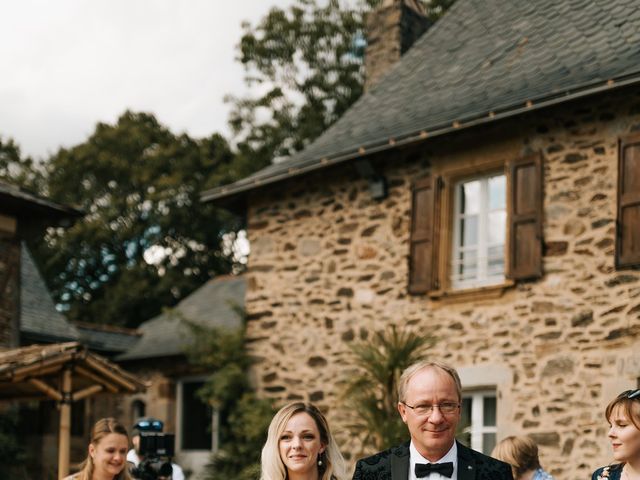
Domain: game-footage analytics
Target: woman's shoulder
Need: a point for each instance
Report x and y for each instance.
(610, 472)
(540, 474)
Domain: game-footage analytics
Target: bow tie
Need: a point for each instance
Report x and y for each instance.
(424, 469)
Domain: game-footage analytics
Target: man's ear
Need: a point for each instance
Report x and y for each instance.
(403, 411)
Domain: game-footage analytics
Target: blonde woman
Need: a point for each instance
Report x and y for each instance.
(522, 454)
(300, 446)
(107, 456)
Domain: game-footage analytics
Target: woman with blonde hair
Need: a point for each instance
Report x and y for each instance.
(300, 446)
(107, 457)
(623, 415)
(522, 454)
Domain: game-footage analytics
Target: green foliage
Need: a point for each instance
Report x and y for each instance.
(239, 456)
(244, 418)
(18, 170)
(304, 58)
(371, 393)
(307, 61)
(139, 187)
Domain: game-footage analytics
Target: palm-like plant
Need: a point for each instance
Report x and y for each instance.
(371, 393)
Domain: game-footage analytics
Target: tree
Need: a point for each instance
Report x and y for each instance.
(18, 170)
(243, 417)
(146, 241)
(371, 393)
(307, 61)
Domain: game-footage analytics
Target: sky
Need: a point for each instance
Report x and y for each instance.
(68, 64)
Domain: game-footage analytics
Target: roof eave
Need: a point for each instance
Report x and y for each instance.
(233, 192)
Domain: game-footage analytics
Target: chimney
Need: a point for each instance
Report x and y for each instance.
(9, 282)
(391, 30)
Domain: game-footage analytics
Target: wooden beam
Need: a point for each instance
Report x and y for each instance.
(65, 425)
(96, 378)
(114, 377)
(46, 389)
(41, 364)
(86, 392)
(40, 373)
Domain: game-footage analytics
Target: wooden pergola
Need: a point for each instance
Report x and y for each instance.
(64, 372)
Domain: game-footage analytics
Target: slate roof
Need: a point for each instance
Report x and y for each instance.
(483, 61)
(39, 319)
(106, 338)
(218, 303)
(18, 202)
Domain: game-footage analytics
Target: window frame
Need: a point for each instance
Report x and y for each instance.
(477, 429)
(180, 392)
(446, 238)
(482, 279)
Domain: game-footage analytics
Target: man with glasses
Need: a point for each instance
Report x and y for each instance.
(429, 396)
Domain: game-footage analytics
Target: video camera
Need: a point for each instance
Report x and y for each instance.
(155, 451)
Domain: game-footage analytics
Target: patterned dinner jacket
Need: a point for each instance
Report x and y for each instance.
(393, 464)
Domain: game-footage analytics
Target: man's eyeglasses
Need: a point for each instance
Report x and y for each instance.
(445, 408)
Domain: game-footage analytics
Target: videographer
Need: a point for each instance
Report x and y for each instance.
(150, 464)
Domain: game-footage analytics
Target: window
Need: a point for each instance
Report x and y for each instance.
(138, 410)
(480, 223)
(475, 226)
(478, 421)
(196, 418)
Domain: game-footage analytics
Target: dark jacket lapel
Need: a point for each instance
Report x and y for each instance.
(400, 463)
(466, 463)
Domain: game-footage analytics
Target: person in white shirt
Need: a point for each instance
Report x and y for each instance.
(430, 396)
(133, 455)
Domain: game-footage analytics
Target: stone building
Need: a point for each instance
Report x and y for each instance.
(159, 356)
(486, 191)
(26, 315)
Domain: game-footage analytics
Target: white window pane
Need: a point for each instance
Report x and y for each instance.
(467, 265)
(497, 226)
(495, 260)
(470, 197)
(488, 442)
(469, 231)
(497, 192)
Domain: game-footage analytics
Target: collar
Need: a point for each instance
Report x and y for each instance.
(415, 457)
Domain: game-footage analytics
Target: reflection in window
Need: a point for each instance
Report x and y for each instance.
(480, 222)
(477, 428)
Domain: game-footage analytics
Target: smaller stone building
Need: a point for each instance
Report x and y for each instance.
(159, 356)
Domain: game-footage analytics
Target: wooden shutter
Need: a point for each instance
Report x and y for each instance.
(628, 221)
(525, 244)
(423, 265)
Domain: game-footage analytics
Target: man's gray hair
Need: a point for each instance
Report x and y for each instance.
(411, 370)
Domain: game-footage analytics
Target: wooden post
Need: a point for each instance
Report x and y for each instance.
(65, 425)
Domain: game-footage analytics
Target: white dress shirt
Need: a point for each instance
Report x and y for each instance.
(415, 457)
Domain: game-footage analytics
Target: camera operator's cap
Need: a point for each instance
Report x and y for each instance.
(147, 424)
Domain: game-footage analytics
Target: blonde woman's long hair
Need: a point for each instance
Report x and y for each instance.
(273, 468)
(101, 429)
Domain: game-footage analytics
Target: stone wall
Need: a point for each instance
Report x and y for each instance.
(9, 286)
(328, 266)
